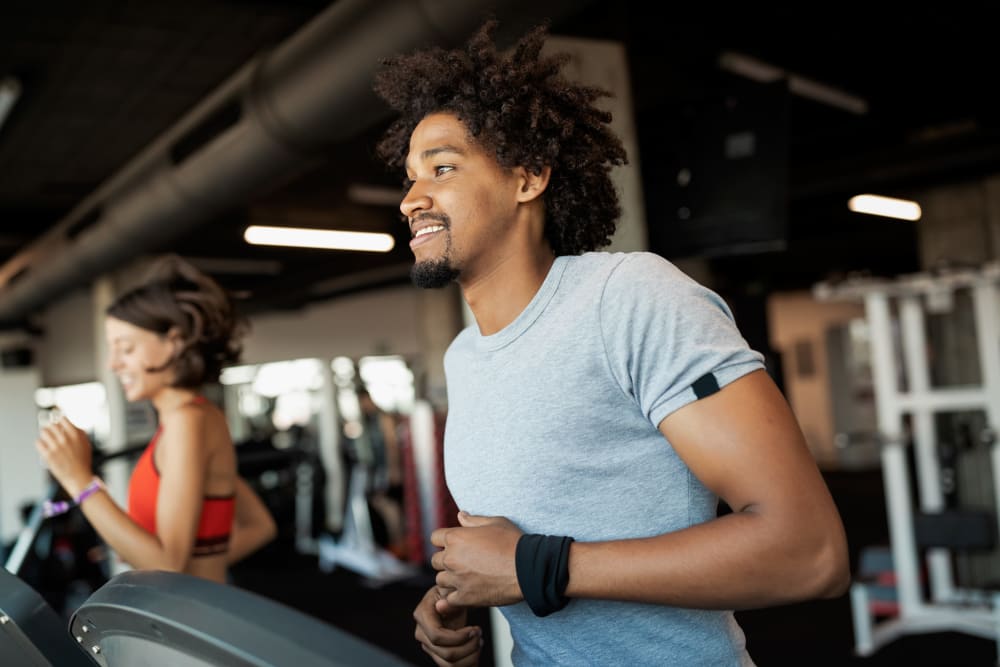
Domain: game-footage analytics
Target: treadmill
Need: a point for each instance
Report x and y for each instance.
(166, 619)
(32, 634)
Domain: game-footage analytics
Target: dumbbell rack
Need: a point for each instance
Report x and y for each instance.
(945, 607)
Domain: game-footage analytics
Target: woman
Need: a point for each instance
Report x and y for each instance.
(188, 510)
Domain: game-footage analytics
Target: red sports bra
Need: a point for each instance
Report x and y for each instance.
(217, 512)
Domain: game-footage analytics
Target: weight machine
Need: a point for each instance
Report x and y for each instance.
(896, 312)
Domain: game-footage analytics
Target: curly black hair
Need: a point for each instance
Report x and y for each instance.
(520, 108)
(177, 295)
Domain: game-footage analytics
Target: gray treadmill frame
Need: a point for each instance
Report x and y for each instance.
(146, 616)
(31, 632)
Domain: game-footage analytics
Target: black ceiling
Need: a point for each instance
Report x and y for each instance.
(103, 78)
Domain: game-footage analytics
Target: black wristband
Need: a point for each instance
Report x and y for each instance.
(542, 564)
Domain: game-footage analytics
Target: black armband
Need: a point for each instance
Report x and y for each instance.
(542, 563)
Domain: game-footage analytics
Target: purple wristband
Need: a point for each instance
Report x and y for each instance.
(54, 508)
(95, 485)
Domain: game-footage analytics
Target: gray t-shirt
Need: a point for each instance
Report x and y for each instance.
(552, 423)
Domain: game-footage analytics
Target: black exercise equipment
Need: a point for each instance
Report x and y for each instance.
(290, 482)
(958, 530)
(177, 620)
(15, 559)
(31, 633)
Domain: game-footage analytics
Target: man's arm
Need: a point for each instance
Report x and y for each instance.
(783, 542)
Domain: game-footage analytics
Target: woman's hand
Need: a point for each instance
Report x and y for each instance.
(67, 453)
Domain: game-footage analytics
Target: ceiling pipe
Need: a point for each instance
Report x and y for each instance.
(271, 118)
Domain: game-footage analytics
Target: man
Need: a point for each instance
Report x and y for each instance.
(600, 405)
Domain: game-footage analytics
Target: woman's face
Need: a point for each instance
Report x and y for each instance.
(132, 352)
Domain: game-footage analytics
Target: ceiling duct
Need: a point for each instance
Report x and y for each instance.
(266, 121)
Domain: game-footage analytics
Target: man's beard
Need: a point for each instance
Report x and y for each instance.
(433, 273)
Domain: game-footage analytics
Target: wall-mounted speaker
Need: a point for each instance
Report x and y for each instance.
(719, 185)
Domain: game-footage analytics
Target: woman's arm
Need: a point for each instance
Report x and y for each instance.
(253, 525)
(67, 453)
(184, 452)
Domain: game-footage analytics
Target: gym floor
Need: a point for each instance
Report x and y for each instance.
(816, 633)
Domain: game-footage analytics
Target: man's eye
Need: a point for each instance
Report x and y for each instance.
(443, 169)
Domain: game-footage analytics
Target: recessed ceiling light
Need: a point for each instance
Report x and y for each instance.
(887, 207)
(328, 239)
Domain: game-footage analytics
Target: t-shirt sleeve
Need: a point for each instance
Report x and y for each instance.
(669, 339)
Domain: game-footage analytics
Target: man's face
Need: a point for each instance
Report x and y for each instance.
(459, 203)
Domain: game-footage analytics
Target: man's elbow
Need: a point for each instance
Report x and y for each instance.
(832, 570)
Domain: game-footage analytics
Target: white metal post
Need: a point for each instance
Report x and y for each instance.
(861, 615)
(328, 435)
(911, 314)
(897, 492)
(985, 297)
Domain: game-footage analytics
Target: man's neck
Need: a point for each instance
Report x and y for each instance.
(498, 297)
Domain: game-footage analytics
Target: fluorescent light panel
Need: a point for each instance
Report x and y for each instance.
(327, 239)
(887, 207)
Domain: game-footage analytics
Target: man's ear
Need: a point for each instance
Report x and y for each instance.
(531, 186)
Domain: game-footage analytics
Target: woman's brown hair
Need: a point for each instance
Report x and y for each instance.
(177, 296)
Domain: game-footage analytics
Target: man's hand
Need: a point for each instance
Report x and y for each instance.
(476, 562)
(443, 633)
